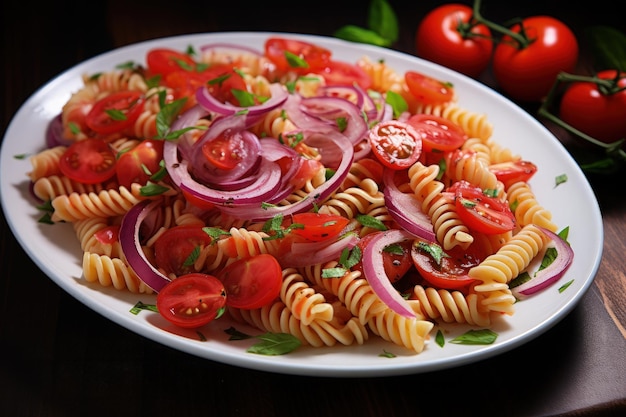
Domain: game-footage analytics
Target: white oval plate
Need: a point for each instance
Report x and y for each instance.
(55, 249)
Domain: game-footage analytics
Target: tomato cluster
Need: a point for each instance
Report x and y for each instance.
(526, 57)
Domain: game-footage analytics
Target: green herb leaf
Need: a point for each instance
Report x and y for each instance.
(358, 34)
(140, 305)
(439, 339)
(397, 103)
(387, 354)
(383, 20)
(476, 337)
(370, 221)
(275, 344)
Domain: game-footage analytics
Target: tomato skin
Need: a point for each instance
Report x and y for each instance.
(253, 282)
(514, 171)
(480, 212)
(192, 300)
(428, 90)
(598, 115)
(452, 272)
(437, 133)
(345, 73)
(318, 227)
(173, 247)
(128, 167)
(438, 39)
(165, 61)
(315, 56)
(88, 161)
(130, 103)
(395, 144)
(527, 74)
(396, 264)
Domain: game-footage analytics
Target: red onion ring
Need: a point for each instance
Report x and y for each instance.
(374, 270)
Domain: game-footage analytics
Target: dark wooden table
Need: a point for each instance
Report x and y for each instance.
(59, 358)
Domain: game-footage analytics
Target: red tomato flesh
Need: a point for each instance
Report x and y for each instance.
(88, 161)
(437, 133)
(428, 90)
(395, 144)
(191, 300)
(253, 282)
(480, 212)
(137, 165)
(174, 248)
(115, 112)
(317, 227)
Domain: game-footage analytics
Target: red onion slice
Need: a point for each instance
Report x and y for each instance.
(374, 271)
(278, 96)
(406, 210)
(131, 246)
(550, 274)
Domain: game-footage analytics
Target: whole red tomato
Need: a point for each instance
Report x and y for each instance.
(527, 72)
(599, 114)
(446, 36)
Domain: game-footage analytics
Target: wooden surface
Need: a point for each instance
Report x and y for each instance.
(59, 358)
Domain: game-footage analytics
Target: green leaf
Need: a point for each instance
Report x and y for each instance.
(275, 344)
(358, 34)
(383, 20)
(476, 337)
(608, 46)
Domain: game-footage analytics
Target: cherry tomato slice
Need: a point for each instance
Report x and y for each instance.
(396, 144)
(451, 272)
(88, 161)
(115, 112)
(138, 164)
(164, 61)
(480, 212)
(513, 171)
(313, 57)
(191, 300)
(253, 282)
(437, 133)
(173, 250)
(345, 73)
(427, 89)
(225, 152)
(397, 259)
(318, 227)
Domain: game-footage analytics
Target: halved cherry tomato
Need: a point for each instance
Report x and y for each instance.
(395, 143)
(451, 272)
(226, 151)
(318, 227)
(253, 282)
(446, 36)
(437, 133)
(138, 164)
(197, 201)
(345, 73)
(115, 112)
(396, 258)
(88, 161)
(313, 56)
(481, 212)
(428, 90)
(191, 300)
(164, 61)
(174, 248)
(513, 171)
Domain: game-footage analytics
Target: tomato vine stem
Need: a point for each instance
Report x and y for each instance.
(520, 38)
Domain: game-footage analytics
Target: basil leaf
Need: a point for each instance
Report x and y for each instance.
(358, 34)
(383, 20)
